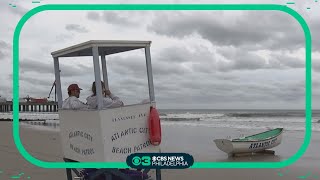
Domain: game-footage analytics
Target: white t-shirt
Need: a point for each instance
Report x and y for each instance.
(110, 101)
(73, 102)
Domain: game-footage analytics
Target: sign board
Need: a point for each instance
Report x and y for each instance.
(105, 135)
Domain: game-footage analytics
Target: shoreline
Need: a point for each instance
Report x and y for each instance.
(45, 145)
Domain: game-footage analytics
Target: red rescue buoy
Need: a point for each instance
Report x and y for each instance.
(154, 127)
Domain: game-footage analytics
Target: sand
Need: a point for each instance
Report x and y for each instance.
(45, 145)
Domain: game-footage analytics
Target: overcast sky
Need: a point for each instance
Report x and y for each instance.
(200, 59)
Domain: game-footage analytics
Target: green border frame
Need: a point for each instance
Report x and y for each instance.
(155, 7)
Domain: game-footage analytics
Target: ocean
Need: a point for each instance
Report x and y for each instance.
(290, 120)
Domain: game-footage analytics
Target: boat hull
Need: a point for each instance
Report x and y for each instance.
(229, 146)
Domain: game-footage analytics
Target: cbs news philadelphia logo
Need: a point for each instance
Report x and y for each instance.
(160, 160)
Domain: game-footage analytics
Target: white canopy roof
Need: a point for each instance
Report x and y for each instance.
(105, 47)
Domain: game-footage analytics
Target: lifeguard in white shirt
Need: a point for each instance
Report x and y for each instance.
(109, 99)
(73, 102)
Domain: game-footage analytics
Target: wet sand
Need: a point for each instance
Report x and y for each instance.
(197, 141)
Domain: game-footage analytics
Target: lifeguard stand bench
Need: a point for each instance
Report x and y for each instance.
(104, 135)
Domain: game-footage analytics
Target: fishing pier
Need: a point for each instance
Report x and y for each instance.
(30, 106)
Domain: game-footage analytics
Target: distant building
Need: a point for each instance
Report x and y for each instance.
(34, 100)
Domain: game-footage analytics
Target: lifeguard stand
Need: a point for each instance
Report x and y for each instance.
(104, 135)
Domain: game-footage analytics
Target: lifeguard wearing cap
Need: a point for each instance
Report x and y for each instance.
(72, 102)
(73, 87)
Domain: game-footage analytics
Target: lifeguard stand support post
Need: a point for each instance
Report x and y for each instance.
(104, 135)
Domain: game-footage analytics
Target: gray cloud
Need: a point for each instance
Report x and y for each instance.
(177, 60)
(117, 18)
(232, 73)
(254, 30)
(177, 54)
(231, 92)
(250, 60)
(93, 15)
(2, 55)
(76, 28)
(40, 91)
(64, 37)
(27, 65)
(10, 77)
(289, 92)
(314, 26)
(127, 86)
(135, 65)
(37, 81)
(168, 69)
(316, 65)
(18, 10)
(239, 60)
(125, 19)
(278, 61)
(74, 70)
(4, 47)
(6, 92)
(255, 88)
